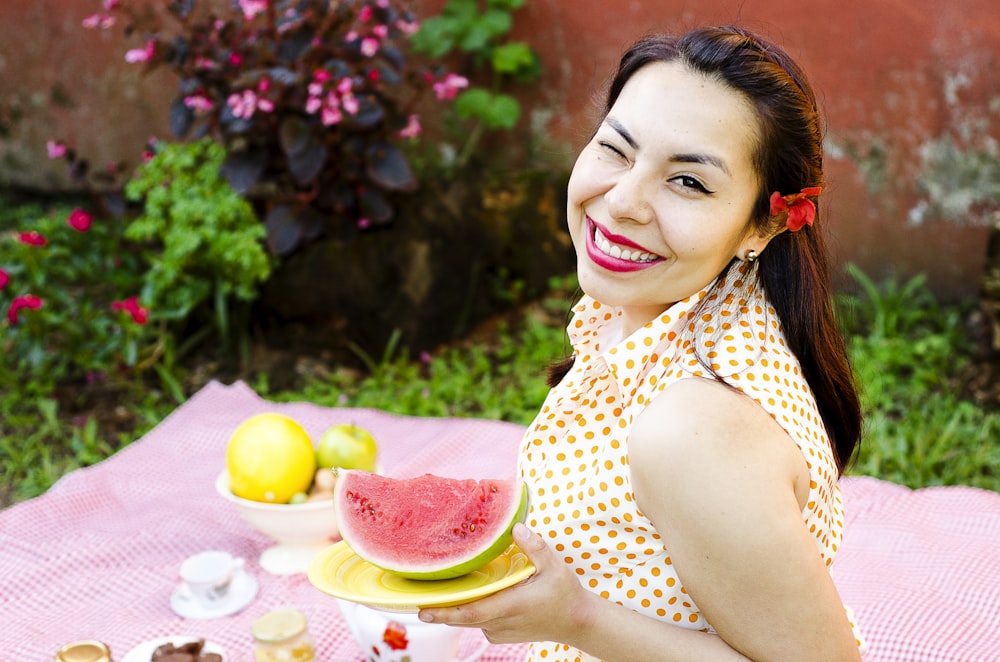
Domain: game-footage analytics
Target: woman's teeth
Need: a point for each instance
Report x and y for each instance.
(614, 250)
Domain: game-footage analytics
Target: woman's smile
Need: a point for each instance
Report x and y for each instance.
(616, 253)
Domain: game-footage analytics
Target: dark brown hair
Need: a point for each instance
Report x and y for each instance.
(794, 270)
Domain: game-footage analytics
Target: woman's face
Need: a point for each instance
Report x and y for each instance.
(660, 199)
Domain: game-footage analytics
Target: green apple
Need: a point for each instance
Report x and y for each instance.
(347, 446)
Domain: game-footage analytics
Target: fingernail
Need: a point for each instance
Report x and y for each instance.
(425, 617)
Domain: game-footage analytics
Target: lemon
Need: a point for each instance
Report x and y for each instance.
(347, 446)
(270, 458)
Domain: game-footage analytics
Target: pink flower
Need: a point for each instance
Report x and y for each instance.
(380, 31)
(253, 7)
(102, 21)
(4, 279)
(366, 14)
(131, 305)
(407, 27)
(321, 75)
(246, 103)
(55, 149)
(412, 128)
(331, 113)
(235, 59)
(32, 238)
(80, 220)
(29, 301)
(369, 46)
(111, 4)
(199, 102)
(141, 54)
(447, 88)
(801, 210)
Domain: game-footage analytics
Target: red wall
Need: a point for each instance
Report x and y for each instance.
(894, 77)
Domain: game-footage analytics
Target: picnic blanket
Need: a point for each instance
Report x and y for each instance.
(97, 556)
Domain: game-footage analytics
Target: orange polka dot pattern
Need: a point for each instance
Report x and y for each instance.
(575, 454)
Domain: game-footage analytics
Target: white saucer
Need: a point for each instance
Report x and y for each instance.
(242, 591)
(286, 559)
(144, 651)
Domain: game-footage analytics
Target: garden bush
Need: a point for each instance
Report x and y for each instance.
(312, 101)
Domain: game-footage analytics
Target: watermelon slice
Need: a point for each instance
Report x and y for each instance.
(427, 527)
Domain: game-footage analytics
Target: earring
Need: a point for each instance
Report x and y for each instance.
(752, 255)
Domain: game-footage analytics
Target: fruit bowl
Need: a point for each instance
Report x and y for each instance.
(301, 530)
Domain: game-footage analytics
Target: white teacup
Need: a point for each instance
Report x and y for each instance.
(396, 637)
(207, 576)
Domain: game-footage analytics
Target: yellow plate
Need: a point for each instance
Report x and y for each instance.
(343, 574)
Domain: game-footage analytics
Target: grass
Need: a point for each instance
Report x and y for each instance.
(908, 352)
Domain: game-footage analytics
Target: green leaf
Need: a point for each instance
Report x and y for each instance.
(496, 111)
(513, 58)
(504, 112)
(473, 103)
(506, 4)
(436, 36)
(484, 29)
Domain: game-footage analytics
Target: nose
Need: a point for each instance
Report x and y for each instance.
(628, 199)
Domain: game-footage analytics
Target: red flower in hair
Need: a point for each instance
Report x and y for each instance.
(801, 210)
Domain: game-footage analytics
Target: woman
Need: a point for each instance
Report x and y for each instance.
(684, 466)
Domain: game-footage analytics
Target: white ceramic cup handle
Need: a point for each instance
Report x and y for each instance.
(476, 654)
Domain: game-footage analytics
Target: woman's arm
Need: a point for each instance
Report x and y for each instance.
(721, 482)
(725, 487)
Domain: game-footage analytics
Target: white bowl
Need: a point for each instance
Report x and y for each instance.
(301, 530)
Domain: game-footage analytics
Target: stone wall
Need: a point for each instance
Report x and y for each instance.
(899, 82)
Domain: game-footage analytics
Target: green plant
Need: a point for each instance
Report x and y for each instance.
(206, 242)
(66, 289)
(909, 354)
(479, 29)
(311, 100)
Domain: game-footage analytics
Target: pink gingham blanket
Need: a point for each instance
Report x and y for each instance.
(97, 556)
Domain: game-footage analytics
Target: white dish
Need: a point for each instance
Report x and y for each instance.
(242, 591)
(144, 651)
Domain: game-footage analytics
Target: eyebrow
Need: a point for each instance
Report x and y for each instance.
(706, 159)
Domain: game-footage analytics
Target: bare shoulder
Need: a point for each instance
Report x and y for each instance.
(700, 433)
(699, 412)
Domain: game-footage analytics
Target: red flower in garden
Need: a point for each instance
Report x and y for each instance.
(80, 220)
(24, 301)
(801, 210)
(131, 305)
(395, 636)
(32, 238)
(4, 279)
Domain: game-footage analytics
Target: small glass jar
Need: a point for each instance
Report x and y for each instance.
(282, 636)
(84, 651)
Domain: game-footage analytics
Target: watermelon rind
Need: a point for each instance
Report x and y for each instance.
(387, 558)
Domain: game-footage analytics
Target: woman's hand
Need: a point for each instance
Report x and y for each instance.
(548, 606)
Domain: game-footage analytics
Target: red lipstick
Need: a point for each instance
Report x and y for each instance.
(616, 264)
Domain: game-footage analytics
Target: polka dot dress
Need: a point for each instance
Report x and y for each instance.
(575, 458)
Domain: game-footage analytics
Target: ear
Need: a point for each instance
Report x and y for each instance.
(756, 243)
